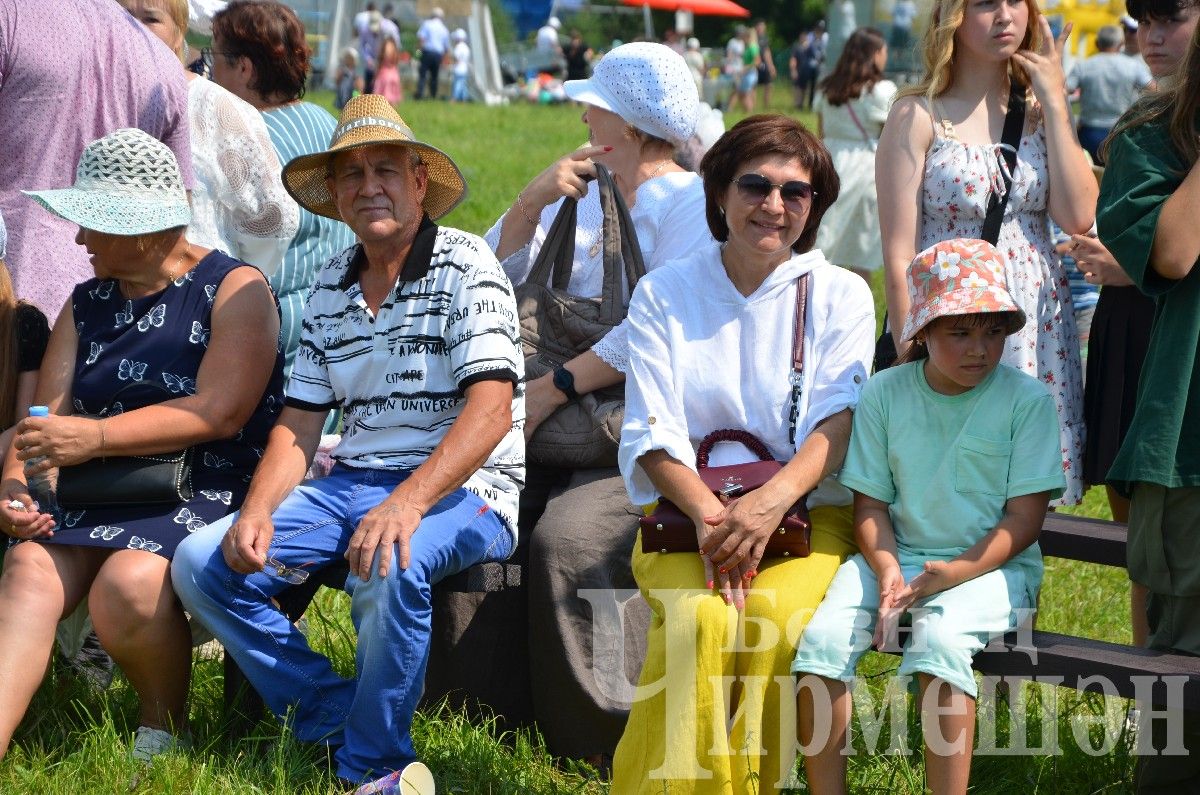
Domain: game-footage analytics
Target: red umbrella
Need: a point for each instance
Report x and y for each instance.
(715, 8)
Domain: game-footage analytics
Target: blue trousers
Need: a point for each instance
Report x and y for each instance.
(369, 716)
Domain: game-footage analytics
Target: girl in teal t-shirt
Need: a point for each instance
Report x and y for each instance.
(952, 460)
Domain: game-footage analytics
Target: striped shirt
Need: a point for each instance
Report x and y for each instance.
(400, 376)
(302, 128)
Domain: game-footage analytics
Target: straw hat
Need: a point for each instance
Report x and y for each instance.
(369, 120)
(958, 277)
(126, 183)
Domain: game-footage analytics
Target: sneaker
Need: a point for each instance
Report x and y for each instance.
(414, 779)
(149, 743)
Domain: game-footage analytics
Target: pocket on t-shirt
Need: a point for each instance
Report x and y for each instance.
(982, 465)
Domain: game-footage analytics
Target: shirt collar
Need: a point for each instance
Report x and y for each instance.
(416, 265)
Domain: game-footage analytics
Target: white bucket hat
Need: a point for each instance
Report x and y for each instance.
(648, 85)
(127, 183)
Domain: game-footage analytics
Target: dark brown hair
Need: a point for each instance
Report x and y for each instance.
(856, 70)
(754, 137)
(1176, 106)
(272, 37)
(918, 351)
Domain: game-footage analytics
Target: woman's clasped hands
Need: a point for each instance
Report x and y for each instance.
(732, 541)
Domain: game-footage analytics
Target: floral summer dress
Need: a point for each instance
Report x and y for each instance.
(958, 180)
(160, 339)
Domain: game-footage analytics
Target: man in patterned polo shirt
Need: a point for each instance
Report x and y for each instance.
(413, 334)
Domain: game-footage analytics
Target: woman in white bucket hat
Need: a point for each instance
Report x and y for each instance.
(170, 346)
(641, 104)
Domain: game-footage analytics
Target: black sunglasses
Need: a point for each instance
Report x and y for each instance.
(755, 188)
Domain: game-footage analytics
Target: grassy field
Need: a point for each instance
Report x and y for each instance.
(74, 739)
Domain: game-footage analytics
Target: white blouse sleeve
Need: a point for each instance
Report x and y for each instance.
(518, 264)
(256, 215)
(654, 415)
(841, 354)
(679, 231)
(878, 102)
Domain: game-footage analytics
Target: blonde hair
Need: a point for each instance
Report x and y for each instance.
(937, 48)
(9, 357)
(177, 10)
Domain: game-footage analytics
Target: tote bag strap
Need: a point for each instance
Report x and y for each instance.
(557, 254)
(622, 252)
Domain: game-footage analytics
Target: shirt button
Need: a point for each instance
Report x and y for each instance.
(858, 379)
(651, 420)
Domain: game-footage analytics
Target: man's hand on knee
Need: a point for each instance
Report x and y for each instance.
(245, 545)
(388, 523)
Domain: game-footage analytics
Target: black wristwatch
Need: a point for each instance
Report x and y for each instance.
(564, 382)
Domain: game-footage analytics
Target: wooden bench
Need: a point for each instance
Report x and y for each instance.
(1046, 656)
(243, 705)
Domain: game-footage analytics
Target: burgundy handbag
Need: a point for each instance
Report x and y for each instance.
(669, 529)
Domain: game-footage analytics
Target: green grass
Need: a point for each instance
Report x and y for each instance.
(74, 739)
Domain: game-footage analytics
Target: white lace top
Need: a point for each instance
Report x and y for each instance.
(668, 217)
(239, 205)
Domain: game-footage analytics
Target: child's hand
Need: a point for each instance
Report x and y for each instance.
(887, 625)
(936, 578)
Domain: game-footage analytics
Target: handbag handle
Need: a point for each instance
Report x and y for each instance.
(752, 443)
(557, 255)
(131, 385)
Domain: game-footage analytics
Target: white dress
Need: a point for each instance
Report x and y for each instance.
(849, 232)
(954, 193)
(239, 205)
(669, 219)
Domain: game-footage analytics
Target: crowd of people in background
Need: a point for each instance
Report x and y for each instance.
(201, 269)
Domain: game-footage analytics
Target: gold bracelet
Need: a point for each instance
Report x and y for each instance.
(524, 212)
(102, 441)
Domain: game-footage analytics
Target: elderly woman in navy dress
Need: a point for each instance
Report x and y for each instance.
(196, 334)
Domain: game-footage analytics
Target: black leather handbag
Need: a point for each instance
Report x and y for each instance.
(128, 479)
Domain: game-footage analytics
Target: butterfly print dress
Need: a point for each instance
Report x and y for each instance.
(157, 342)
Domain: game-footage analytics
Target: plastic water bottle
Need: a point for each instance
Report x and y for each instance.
(42, 484)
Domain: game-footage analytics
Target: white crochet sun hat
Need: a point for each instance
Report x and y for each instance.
(127, 183)
(648, 85)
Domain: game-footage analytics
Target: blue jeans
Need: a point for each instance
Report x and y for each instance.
(458, 89)
(369, 716)
(1090, 139)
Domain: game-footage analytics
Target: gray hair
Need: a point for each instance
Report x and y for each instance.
(1109, 37)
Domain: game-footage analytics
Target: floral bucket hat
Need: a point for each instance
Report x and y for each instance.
(958, 277)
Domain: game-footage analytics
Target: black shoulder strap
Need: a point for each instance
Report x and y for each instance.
(1010, 141)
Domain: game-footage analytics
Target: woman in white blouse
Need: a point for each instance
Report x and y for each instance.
(711, 339)
(639, 105)
(239, 205)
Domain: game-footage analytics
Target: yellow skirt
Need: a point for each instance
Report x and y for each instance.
(715, 710)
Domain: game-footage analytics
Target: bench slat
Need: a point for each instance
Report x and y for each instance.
(1077, 658)
(1084, 539)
